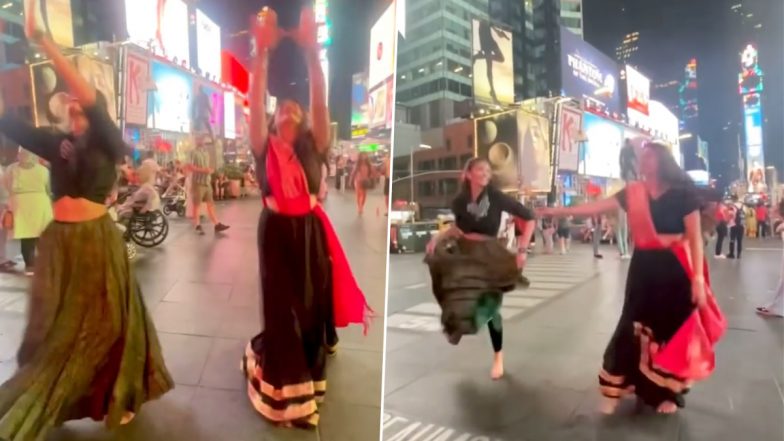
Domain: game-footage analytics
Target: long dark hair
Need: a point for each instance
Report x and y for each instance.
(305, 149)
(465, 186)
(670, 173)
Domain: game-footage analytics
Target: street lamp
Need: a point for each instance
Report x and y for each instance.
(411, 166)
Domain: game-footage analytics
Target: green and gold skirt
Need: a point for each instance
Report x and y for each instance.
(90, 349)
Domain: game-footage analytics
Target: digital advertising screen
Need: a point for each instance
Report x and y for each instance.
(137, 71)
(638, 93)
(171, 100)
(52, 95)
(569, 128)
(493, 71)
(497, 140)
(586, 73)
(207, 111)
(666, 126)
(359, 105)
(534, 158)
(603, 147)
(377, 104)
(164, 23)
(230, 117)
(383, 39)
(54, 17)
(208, 45)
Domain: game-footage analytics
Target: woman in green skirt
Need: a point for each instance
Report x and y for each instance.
(90, 349)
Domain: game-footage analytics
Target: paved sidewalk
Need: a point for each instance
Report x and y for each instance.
(553, 350)
(203, 295)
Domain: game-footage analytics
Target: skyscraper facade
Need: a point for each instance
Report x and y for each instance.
(434, 61)
(626, 52)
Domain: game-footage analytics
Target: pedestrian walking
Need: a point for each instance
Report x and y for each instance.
(663, 342)
(90, 349)
(6, 223)
(307, 287)
(775, 307)
(201, 187)
(722, 229)
(737, 229)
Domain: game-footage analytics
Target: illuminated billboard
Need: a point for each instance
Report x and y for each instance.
(230, 116)
(54, 17)
(750, 88)
(665, 126)
(638, 92)
(52, 95)
(493, 69)
(159, 25)
(687, 92)
(602, 148)
(207, 110)
(323, 37)
(359, 106)
(377, 105)
(208, 46)
(171, 100)
(383, 39)
(137, 72)
(587, 74)
(569, 128)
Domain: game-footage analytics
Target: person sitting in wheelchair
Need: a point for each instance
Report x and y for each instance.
(145, 199)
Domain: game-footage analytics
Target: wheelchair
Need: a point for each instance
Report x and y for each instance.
(147, 230)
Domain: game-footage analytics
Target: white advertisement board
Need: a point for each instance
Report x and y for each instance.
(493, 70)
(230, 116)
(160, 24)
(638, 93)
(571, 123)
(383, 39)
(208, 45)
(137, 81)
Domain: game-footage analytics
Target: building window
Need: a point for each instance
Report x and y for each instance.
(426, 189)
(571, 22)
(429, 165)
(449, 163)
(448, 145)
(464, 159)
(470, 142)
(447, 187)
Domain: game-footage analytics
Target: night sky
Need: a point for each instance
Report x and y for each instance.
(352, 20)
(673, 31)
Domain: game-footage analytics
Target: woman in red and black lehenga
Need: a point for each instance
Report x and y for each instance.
(306, 284)
(670, 321)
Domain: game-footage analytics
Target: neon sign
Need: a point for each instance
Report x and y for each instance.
(750, 87)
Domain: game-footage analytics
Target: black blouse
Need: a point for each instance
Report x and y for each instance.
(669, 209)
(310, 160)
(483, 216)
(83, 167)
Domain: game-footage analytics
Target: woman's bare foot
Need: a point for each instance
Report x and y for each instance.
(667, 407)
(127, 418)
(498, 366)
(608, 405)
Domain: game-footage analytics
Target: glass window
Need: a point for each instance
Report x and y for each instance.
(448, 186)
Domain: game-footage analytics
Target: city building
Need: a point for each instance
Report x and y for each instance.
(12, 42)
(626, 52)
(437, 168)
(572, 16)
(434, 61)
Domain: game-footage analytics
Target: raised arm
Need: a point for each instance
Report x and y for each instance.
(319, 113)
(79, 87)
(525, 221)
(266, 39)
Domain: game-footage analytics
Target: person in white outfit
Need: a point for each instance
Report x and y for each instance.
(5, 263)
(31, 203)
(776, 306)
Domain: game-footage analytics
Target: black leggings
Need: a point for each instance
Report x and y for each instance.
(496, 333)
(736, 241)
(721, 234)
(28, 251)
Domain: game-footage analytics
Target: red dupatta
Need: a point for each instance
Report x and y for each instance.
(689, 354)
(289, 188)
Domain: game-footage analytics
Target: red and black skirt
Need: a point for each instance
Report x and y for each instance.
(285, 364)
(657, 304)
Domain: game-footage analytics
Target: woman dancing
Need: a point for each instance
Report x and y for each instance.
(478, 256)
(362, 179)
(90, 349)
(306, 284)
(670, 322)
